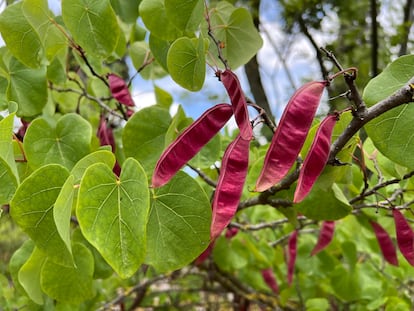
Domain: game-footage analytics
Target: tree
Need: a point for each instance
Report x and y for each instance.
(109, 219)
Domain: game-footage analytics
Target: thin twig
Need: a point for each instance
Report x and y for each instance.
(217, 43)
(83, 93)
(265, 225)
(203, 176)
(379, 186)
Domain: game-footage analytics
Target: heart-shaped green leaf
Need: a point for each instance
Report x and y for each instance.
(186, 62)
(20, 37)
(179, 224)
(92, 24)
(185, 15)
(144, 134)
(75, 283)
(112, 214)
(27, 87)
(32, 210)
(64, 143)
(392, 132)
(237, 34)
(29, 275)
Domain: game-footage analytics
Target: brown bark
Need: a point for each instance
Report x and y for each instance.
(374, 38)
(406, 26)
(252, 70)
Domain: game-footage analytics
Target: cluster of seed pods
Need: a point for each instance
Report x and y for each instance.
(235, 160)
(283, 151)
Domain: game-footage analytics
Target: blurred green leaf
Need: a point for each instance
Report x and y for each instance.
(75, 283)
(331, 204)
(185, 15)
(29, 275)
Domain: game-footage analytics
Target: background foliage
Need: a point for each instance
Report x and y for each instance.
(83, 230)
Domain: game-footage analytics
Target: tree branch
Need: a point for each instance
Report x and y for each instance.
(400, 97)
(406, 26)
(319, 57)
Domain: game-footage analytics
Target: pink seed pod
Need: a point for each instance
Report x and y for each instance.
(290, 134)
(238, 102)
(270, 279)
(292, 251)
(325, 236)
(230, 185)
(119, 90)
(190, 142)
(387, 247)
(316, 158)
(405, 236)
(204, 255)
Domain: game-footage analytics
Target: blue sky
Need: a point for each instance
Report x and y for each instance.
(300, 59)
(278, 90)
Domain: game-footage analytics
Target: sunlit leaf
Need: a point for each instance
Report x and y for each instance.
(112, 214)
